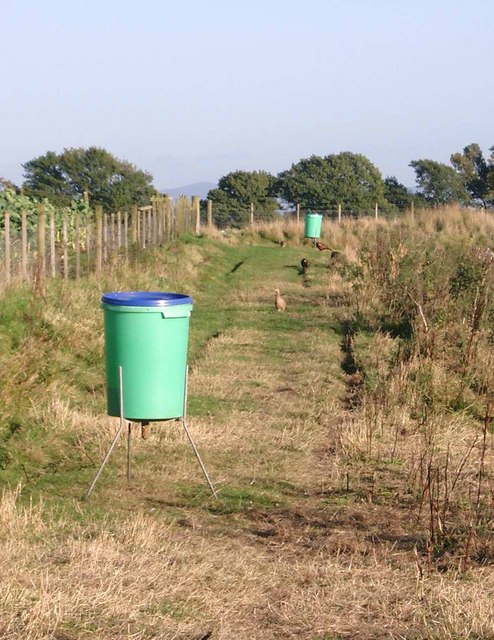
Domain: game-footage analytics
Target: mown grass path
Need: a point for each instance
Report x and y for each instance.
(264, 385)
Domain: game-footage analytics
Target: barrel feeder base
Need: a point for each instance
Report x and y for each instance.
(145, 431)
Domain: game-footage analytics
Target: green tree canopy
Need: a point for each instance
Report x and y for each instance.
(235, 193)
(397, 194)
(438, 183)
(474, 171)
(349, 179)
(113, 183)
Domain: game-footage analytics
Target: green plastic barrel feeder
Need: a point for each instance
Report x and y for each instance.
(313, 224)
(146, 339)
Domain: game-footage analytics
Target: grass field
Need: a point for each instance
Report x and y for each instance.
(351, 453)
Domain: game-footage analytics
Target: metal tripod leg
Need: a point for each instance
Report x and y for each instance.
(184, 422)
(129, 451)
(115, 440)
(213, 490)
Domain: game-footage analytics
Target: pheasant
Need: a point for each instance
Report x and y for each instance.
(305, 264)
(322, 247)
(279, 302)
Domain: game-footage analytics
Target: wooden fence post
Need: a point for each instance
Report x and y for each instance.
(99, 238)
(150, 226)
(210, 214)
(111, 235)
(160, 220)
(64, 245)
(6, 230)
(53, 251)
(251, 215)
(41, 257)
(177, 216)
(143, 229)
(183, 214)
(339, 214)
(181, 206)
(167, 219)
(77, 230)
(188, 214)
(133, 224)
(104, 242)
(376, 210)
(119, 230)
(24, 245)
(196, 211)
(126, 232)
(154, 224)
(298, 214)
(88, 246)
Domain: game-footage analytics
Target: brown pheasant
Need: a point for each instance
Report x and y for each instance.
(279, 302)
(322, 247)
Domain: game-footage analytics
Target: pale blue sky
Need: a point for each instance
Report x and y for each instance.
(191, 90)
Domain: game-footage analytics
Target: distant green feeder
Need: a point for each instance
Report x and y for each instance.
(313, 225)
(146, 340)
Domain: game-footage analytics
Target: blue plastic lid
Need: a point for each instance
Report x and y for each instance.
(145, 298)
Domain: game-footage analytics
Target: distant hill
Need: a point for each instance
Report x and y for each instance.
(196, 189)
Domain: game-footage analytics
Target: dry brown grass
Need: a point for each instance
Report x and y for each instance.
(350, 234)
(298, 575)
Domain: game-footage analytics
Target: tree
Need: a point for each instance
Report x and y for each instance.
(113, 183)
(5, 184)
(490, 177)
(45, 178)
(474, 172)
(397, 194)
(237, 191)
(438, 183)
(346, 178)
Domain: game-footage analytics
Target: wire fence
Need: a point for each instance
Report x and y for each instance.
(39, 245)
